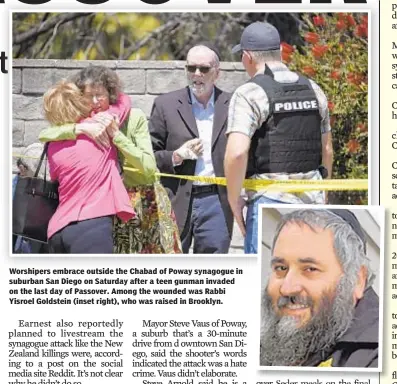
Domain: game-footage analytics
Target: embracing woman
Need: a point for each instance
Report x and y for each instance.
(91, 190)
(154, 229)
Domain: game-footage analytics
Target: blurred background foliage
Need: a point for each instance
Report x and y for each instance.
(130, 36)
(332, 49)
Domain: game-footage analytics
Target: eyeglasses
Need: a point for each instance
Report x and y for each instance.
(100, 96)
(201, 68)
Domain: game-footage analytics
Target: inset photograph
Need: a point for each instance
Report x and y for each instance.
(322, 273)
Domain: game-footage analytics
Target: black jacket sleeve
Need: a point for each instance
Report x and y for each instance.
(159, 134)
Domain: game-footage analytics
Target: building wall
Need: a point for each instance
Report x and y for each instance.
(142, 80)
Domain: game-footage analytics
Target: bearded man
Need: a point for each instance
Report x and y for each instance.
(318, 308)
(187, 128)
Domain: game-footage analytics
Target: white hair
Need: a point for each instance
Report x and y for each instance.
(265, 56)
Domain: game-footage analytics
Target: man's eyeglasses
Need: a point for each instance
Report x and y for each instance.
(201, 68)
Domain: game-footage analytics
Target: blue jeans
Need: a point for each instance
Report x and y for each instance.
(251, 237)
(206, 225)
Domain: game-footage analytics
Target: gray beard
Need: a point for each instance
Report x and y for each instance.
(199, 90)
(283, 343)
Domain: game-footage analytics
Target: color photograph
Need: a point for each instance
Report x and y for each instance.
(322, 284)
(161, 133)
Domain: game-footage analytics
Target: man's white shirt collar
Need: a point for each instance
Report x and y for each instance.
(211, 101)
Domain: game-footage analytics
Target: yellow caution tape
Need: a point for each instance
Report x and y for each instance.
(24, 157)
(271, 185)
(280, 185)
(327, 363)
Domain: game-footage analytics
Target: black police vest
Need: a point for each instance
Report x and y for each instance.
(290, 139)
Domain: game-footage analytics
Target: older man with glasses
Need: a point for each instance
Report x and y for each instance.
(187, 127)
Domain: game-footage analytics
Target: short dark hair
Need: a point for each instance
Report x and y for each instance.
(99, 75)
(21, 162)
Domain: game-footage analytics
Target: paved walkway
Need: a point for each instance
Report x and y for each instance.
(237, 245)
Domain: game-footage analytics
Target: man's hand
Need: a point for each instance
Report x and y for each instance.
(190, 150)
(235, 164)
(196, 145)
(237, 209)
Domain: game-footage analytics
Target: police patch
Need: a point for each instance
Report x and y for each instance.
(293, 106)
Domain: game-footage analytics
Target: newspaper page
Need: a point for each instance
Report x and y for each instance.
(194, 192)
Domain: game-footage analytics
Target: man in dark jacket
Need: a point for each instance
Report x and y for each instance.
(187, 128)
(318, 308)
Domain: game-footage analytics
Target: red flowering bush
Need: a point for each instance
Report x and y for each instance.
(286, 52)
(309, 71)
(312, 37)
(335, 56)
(318, 21)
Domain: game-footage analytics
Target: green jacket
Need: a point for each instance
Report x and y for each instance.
(132, 141)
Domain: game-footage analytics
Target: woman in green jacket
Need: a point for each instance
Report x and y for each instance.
(155, 229)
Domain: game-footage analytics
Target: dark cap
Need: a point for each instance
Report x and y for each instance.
(20, 162)
(259, 36)
(211, 47)
(351, 219)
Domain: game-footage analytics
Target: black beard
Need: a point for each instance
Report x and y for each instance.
(284, 343)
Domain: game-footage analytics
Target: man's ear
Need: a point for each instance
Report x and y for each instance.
(217, 73)
(358, 292)
(248, 54)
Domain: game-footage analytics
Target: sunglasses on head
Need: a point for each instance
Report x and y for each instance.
(202, 69)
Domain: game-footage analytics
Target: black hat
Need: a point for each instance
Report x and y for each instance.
(351, 219)
(259, 36)
(211, 47)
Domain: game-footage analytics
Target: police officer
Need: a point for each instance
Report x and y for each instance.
(278, 129)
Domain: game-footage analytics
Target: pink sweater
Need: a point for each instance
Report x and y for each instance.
(90, 185)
